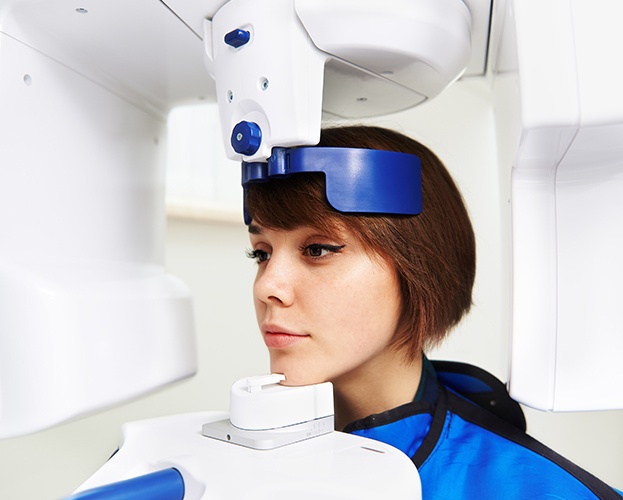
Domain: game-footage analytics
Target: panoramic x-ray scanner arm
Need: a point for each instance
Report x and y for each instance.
(559, 118)
(89, 317)
(279, 63)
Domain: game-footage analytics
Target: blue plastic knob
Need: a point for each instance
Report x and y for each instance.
(246, 138)
(237, 38)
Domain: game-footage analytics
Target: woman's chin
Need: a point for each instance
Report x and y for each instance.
(296, 378)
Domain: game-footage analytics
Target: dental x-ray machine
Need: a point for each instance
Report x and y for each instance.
(84, 298)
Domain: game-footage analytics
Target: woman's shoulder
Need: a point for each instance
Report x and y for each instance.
(486, 456)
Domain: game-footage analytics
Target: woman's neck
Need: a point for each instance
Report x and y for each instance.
(387, 382)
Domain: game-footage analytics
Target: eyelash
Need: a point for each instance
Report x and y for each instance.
(320, 246)
(261, 256)
(258, 256)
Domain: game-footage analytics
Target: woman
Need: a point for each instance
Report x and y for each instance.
(356, 299)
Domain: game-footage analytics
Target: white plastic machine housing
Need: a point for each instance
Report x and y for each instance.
(89, 317)
(560, 125)
(259, 403)
(327, 465)
(264, 414)
(331, 466)
(371, 59)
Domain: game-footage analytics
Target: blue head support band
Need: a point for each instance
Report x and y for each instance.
(357, 180)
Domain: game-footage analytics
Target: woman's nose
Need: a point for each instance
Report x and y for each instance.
(274, 283)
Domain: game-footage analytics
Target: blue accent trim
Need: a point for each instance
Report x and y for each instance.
(357, 180)
(254, 172)
(246, 138)
(166, 484)
(237, 38)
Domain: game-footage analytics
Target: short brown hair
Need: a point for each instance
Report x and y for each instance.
(433, 253)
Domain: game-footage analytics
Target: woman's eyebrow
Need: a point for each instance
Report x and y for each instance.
(254, 229)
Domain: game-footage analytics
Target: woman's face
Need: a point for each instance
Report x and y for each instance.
(327, 308)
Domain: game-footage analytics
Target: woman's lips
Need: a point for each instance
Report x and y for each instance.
(280, 340)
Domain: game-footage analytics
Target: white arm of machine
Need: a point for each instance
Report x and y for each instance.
(271, 59)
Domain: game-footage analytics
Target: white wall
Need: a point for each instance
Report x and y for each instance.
(209, 257)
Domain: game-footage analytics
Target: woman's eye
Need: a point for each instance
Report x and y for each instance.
(258, 255)
(317, 250)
